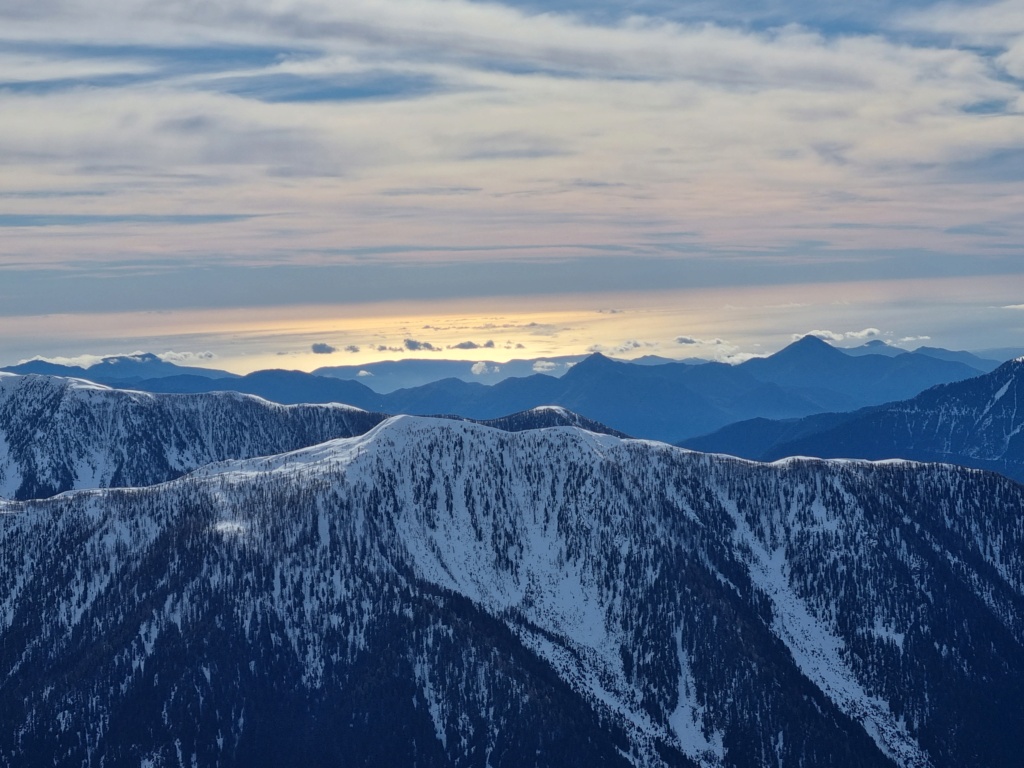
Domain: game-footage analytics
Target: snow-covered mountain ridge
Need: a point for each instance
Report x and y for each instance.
(441, 593)
(59, 434)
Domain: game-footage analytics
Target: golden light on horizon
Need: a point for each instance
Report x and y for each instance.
(720, 323)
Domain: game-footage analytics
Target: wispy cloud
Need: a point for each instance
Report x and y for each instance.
(85, 220)
(609, 146)
(861, 335)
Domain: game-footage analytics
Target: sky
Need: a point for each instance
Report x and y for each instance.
(296, 183)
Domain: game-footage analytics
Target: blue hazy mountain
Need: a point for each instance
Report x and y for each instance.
(873, 347)
(821, 372)
(879, 347)
(670, 401)
(976, 422)
(118, 369)
(390, 375)
(666, 401)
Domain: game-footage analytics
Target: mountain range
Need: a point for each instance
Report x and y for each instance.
(669, 401)
(118, 368)
(59, 434)
(439, 593)
(982, 362)
(389, 375)
(976, 423)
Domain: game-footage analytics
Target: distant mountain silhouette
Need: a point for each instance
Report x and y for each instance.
(118, 369)
(279, 386)
(667, 402)
(388, 376)
(879, 347)
(824, 374)
(874, 347)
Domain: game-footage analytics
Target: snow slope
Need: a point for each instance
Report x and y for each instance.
(551, 597)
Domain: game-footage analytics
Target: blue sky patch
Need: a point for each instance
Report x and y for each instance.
(287, 88)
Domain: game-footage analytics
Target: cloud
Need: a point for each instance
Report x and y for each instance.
(431, 191)
(690, 340)
(364, 374)
(489, 344)
(81, 361)
(630, 346)
(482, 369)
(416, 346)
(907, 339)
(319, 348)
(825, 335)
(353, 348)
(625, 347)
(185, 357)
(20, 220)
(866, 333)
(803, 134)
(544, 366)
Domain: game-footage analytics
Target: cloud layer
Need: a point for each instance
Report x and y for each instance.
(199, 155)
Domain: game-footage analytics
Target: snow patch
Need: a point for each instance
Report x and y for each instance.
(231, 527)
(819, 652)
(687, 721)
